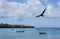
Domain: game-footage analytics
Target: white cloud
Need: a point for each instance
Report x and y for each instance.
(29, 9)
(58, 3)
(52, 12)
(16, 10)
(49, 7)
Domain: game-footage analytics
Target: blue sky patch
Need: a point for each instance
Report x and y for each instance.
(19, 1)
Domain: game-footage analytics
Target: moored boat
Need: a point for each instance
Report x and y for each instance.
(42, 33)
(20, 30)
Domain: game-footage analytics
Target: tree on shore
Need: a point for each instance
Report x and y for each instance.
(14, 26)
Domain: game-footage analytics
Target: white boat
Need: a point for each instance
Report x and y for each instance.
(20, 30)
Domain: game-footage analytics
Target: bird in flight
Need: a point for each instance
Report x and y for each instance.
(42, 14)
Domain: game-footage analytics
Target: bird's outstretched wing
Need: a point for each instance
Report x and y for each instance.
(42, 13)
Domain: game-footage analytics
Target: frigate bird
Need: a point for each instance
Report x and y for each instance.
(42, 13)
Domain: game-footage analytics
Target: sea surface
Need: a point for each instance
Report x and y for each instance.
(29, 33)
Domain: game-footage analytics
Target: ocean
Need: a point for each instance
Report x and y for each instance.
(29, 33)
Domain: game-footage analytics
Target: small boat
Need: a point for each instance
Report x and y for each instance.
(42, 33)
(20, 30)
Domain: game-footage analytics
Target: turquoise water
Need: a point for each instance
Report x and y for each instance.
(30, 33)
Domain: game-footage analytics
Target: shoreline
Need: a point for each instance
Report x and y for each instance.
(15, 26)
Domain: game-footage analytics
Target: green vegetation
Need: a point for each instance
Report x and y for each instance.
(14, 26)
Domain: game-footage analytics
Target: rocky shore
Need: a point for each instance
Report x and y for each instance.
(15, 26)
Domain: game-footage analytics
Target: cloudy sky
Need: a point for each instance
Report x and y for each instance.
(25, 12)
